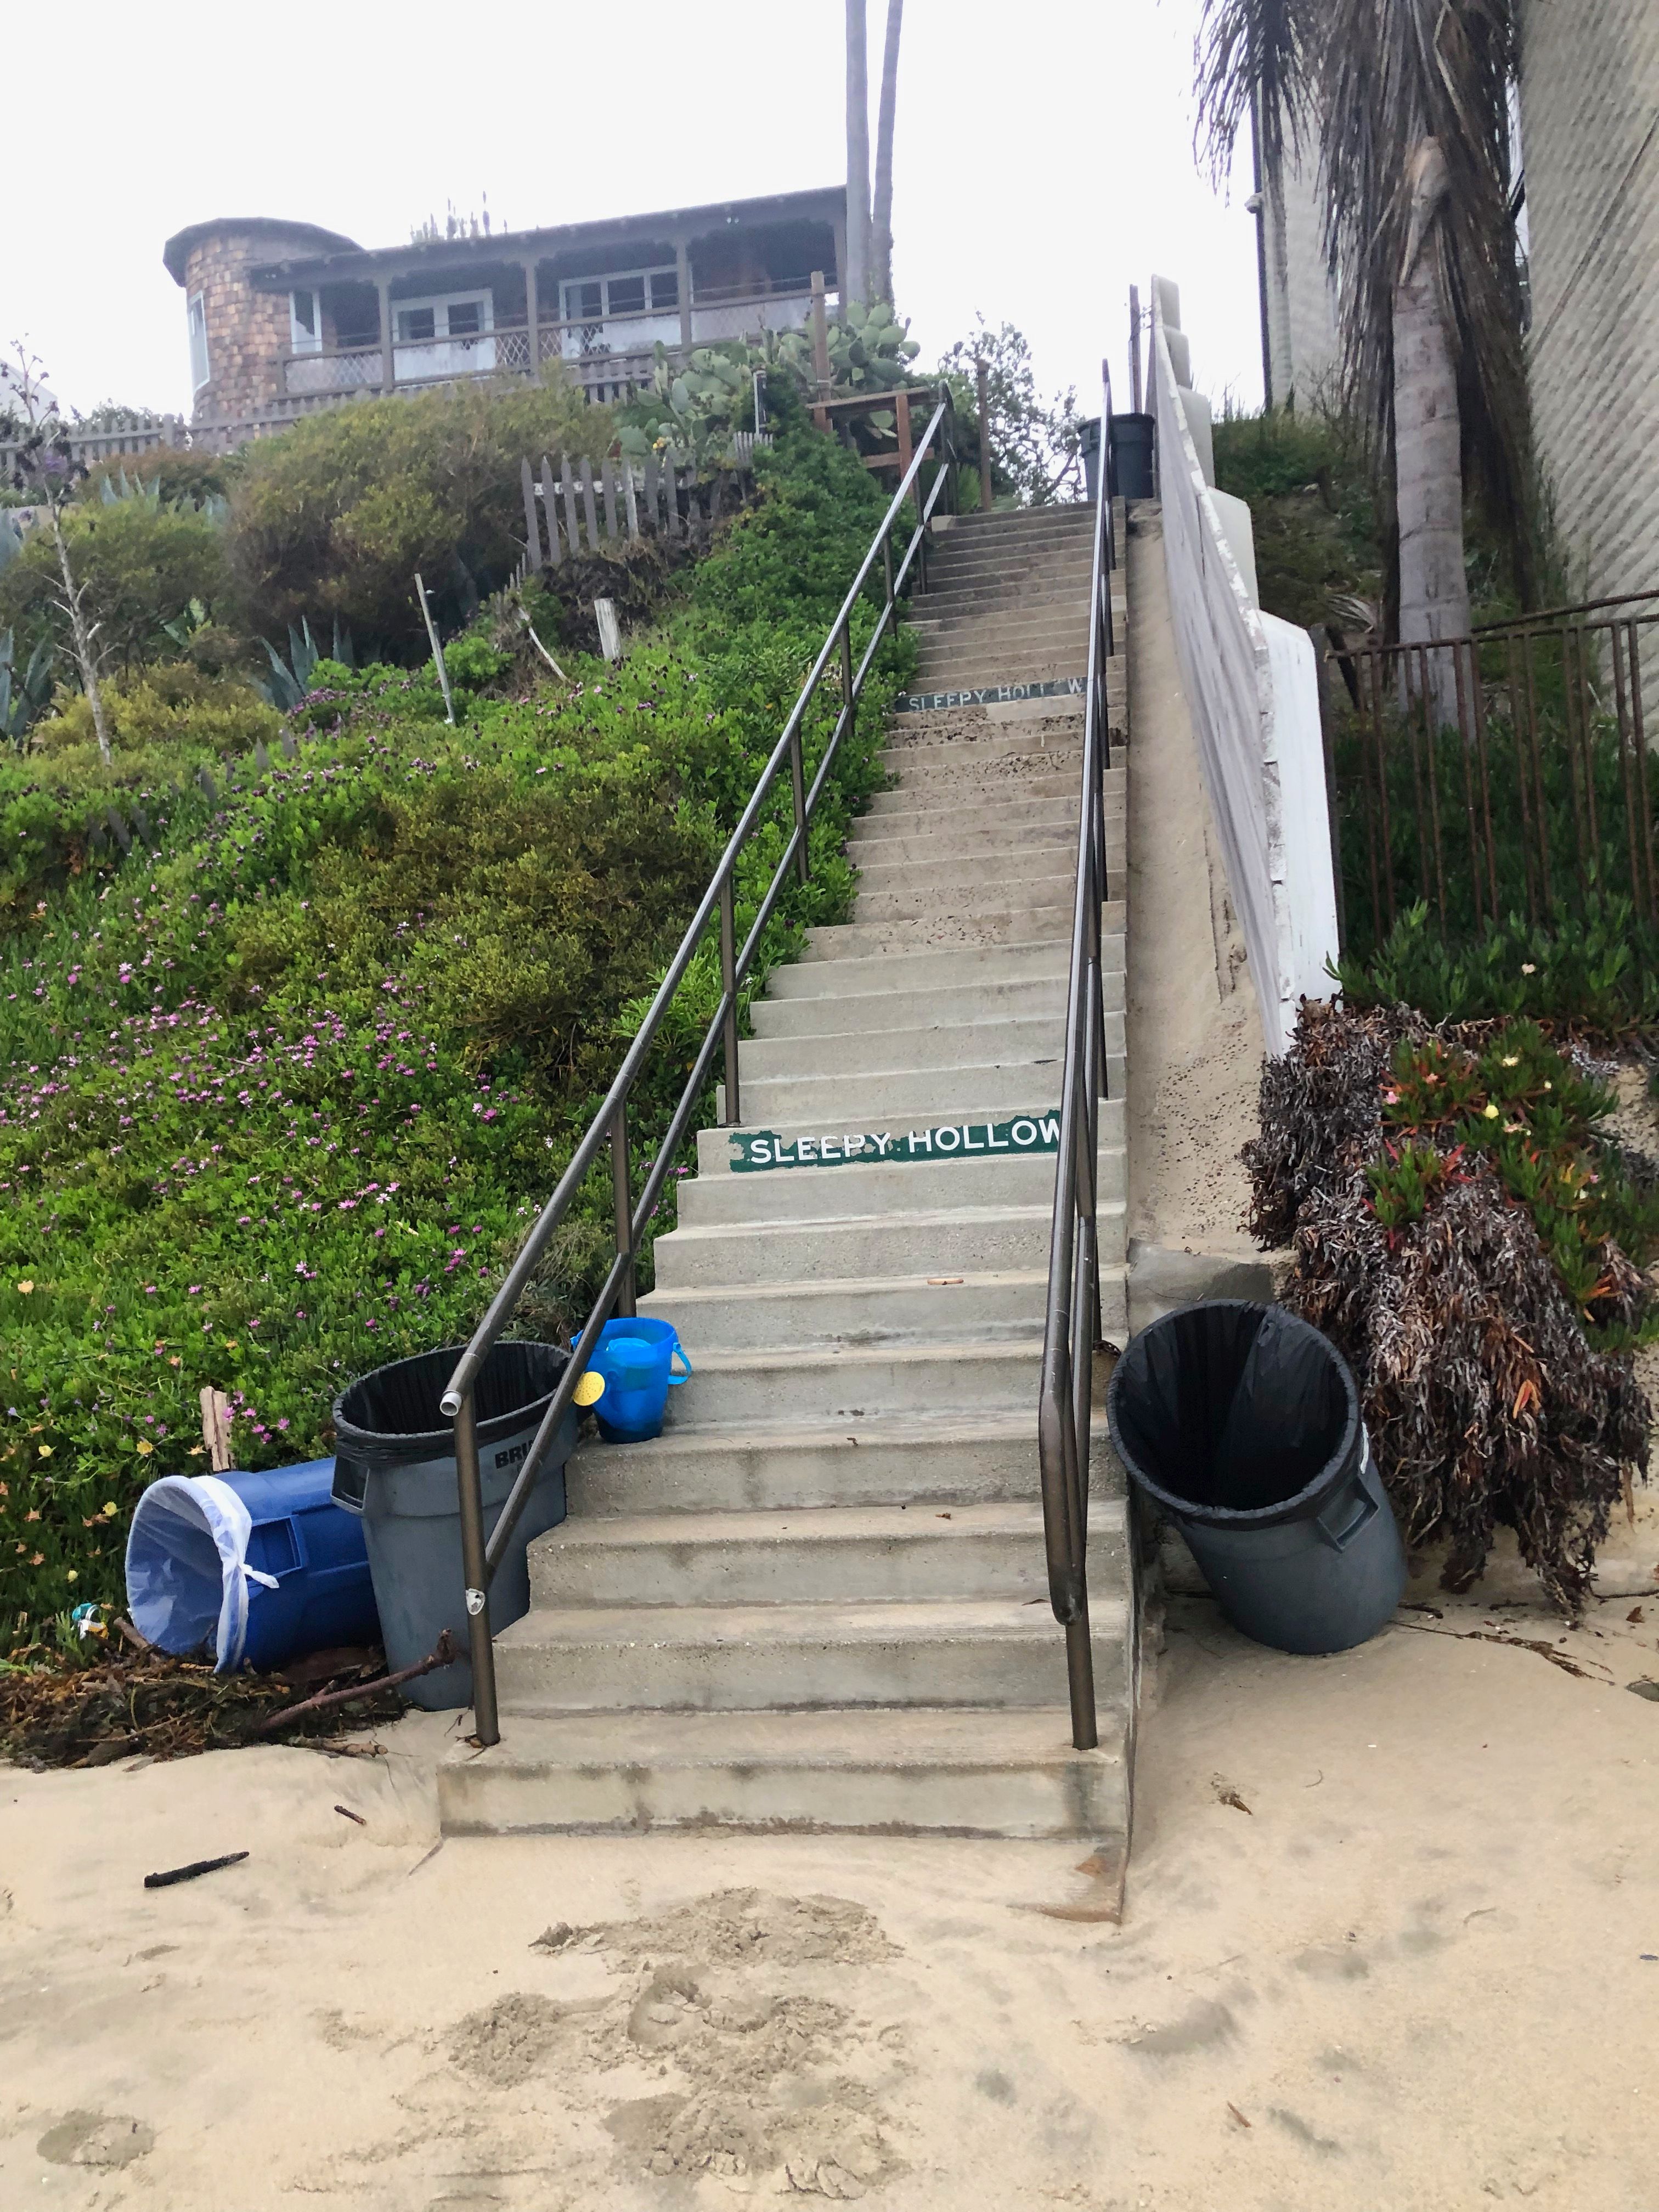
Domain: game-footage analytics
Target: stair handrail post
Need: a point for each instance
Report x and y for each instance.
(797, 787)
(486, 1719)
(621, 1187)
(729, 1000)
(850, 686)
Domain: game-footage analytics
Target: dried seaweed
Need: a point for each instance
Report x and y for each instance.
(63, 1714)
(1486, 1403)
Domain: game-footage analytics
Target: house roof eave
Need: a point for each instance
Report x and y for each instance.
(176, 253)
(825, 204)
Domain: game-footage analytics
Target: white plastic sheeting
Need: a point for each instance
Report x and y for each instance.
(187, 1569)
(1252, 690)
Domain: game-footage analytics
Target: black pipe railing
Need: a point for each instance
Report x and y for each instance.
(1072, 1326)
(482, 1553)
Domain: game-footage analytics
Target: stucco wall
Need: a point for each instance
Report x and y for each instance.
(1302, 348)
(1590, 130)
(1253, 692)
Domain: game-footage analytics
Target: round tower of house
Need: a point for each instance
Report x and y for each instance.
(238, 331)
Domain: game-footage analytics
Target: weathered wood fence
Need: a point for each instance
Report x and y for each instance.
(571, 511)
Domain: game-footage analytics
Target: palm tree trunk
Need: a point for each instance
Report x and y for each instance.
(1434, 590)
(881, 270)
(856, 274)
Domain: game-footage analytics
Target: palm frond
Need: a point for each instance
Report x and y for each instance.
(1259, 52)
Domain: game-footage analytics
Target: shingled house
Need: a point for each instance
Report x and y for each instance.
(284, 317)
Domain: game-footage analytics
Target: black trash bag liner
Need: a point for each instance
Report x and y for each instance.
(1230, 1407)
(392, 1416)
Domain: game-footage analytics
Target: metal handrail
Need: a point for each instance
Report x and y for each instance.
(481, 1557)
(1072, 1323)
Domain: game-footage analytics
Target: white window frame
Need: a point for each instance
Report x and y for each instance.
(568, 284)
(441, 303)
(302, 340)
(201, 367)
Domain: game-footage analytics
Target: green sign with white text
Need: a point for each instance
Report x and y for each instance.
(757, 1151)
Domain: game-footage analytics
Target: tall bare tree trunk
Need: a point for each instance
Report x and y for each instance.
(856, 274)
(84, 650)
(1434, 591)
(881, 269)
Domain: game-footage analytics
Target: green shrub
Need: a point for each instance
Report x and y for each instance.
(282, 1088)
(173, 705)
(335, 517)
(1599, 970)
(142, 566)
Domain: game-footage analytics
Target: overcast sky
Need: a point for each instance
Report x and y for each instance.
(1044, 156)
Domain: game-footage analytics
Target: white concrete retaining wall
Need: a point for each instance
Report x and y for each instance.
(1253, 691)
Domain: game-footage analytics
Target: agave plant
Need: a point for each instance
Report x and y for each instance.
(24, 698)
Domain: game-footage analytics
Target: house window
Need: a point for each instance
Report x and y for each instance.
(304, 322)
(424, 322)
(196, 314)
(629, 292)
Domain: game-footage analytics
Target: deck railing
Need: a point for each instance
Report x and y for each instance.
(481, 1550)
(608, 356)
(1072, 1325)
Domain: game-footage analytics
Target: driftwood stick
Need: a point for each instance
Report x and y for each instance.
(441, 1655)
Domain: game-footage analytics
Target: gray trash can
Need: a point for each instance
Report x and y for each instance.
(1242, 1422)
(395, 1465)
(1134, 439)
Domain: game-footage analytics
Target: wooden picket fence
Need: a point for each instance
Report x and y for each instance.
(571, 511)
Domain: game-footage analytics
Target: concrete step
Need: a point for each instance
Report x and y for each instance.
(950, 1240)
(902, 811)
(996, 1041)
(832, 1555)
(971, 901)
(940, 969)
(920, 1772)
(850, 1384)
(1056, 741)
(996, 1652)
(952, 931)
(992, 876)
(973, 672)
(716, 1151)
(1036, 626)
(892, 840)
(856, 1050)
(909, 1308)
(924, 1097)
(721, 1195)
(998, 593)
(978, 1455)
(908, 1009)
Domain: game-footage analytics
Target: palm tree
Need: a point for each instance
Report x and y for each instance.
(869, 272)
(1406, 103)
(881, 259)
(856, 274)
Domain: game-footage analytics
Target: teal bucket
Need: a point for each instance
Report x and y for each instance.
(634, 1359)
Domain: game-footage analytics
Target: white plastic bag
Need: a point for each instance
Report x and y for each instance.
(187, 1569)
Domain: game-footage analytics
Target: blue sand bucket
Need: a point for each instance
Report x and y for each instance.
(634, 1359)
(255, 1568)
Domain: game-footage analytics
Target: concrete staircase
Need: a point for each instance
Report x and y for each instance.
(819, 1599)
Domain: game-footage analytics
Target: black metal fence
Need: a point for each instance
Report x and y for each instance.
(1502, 773)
